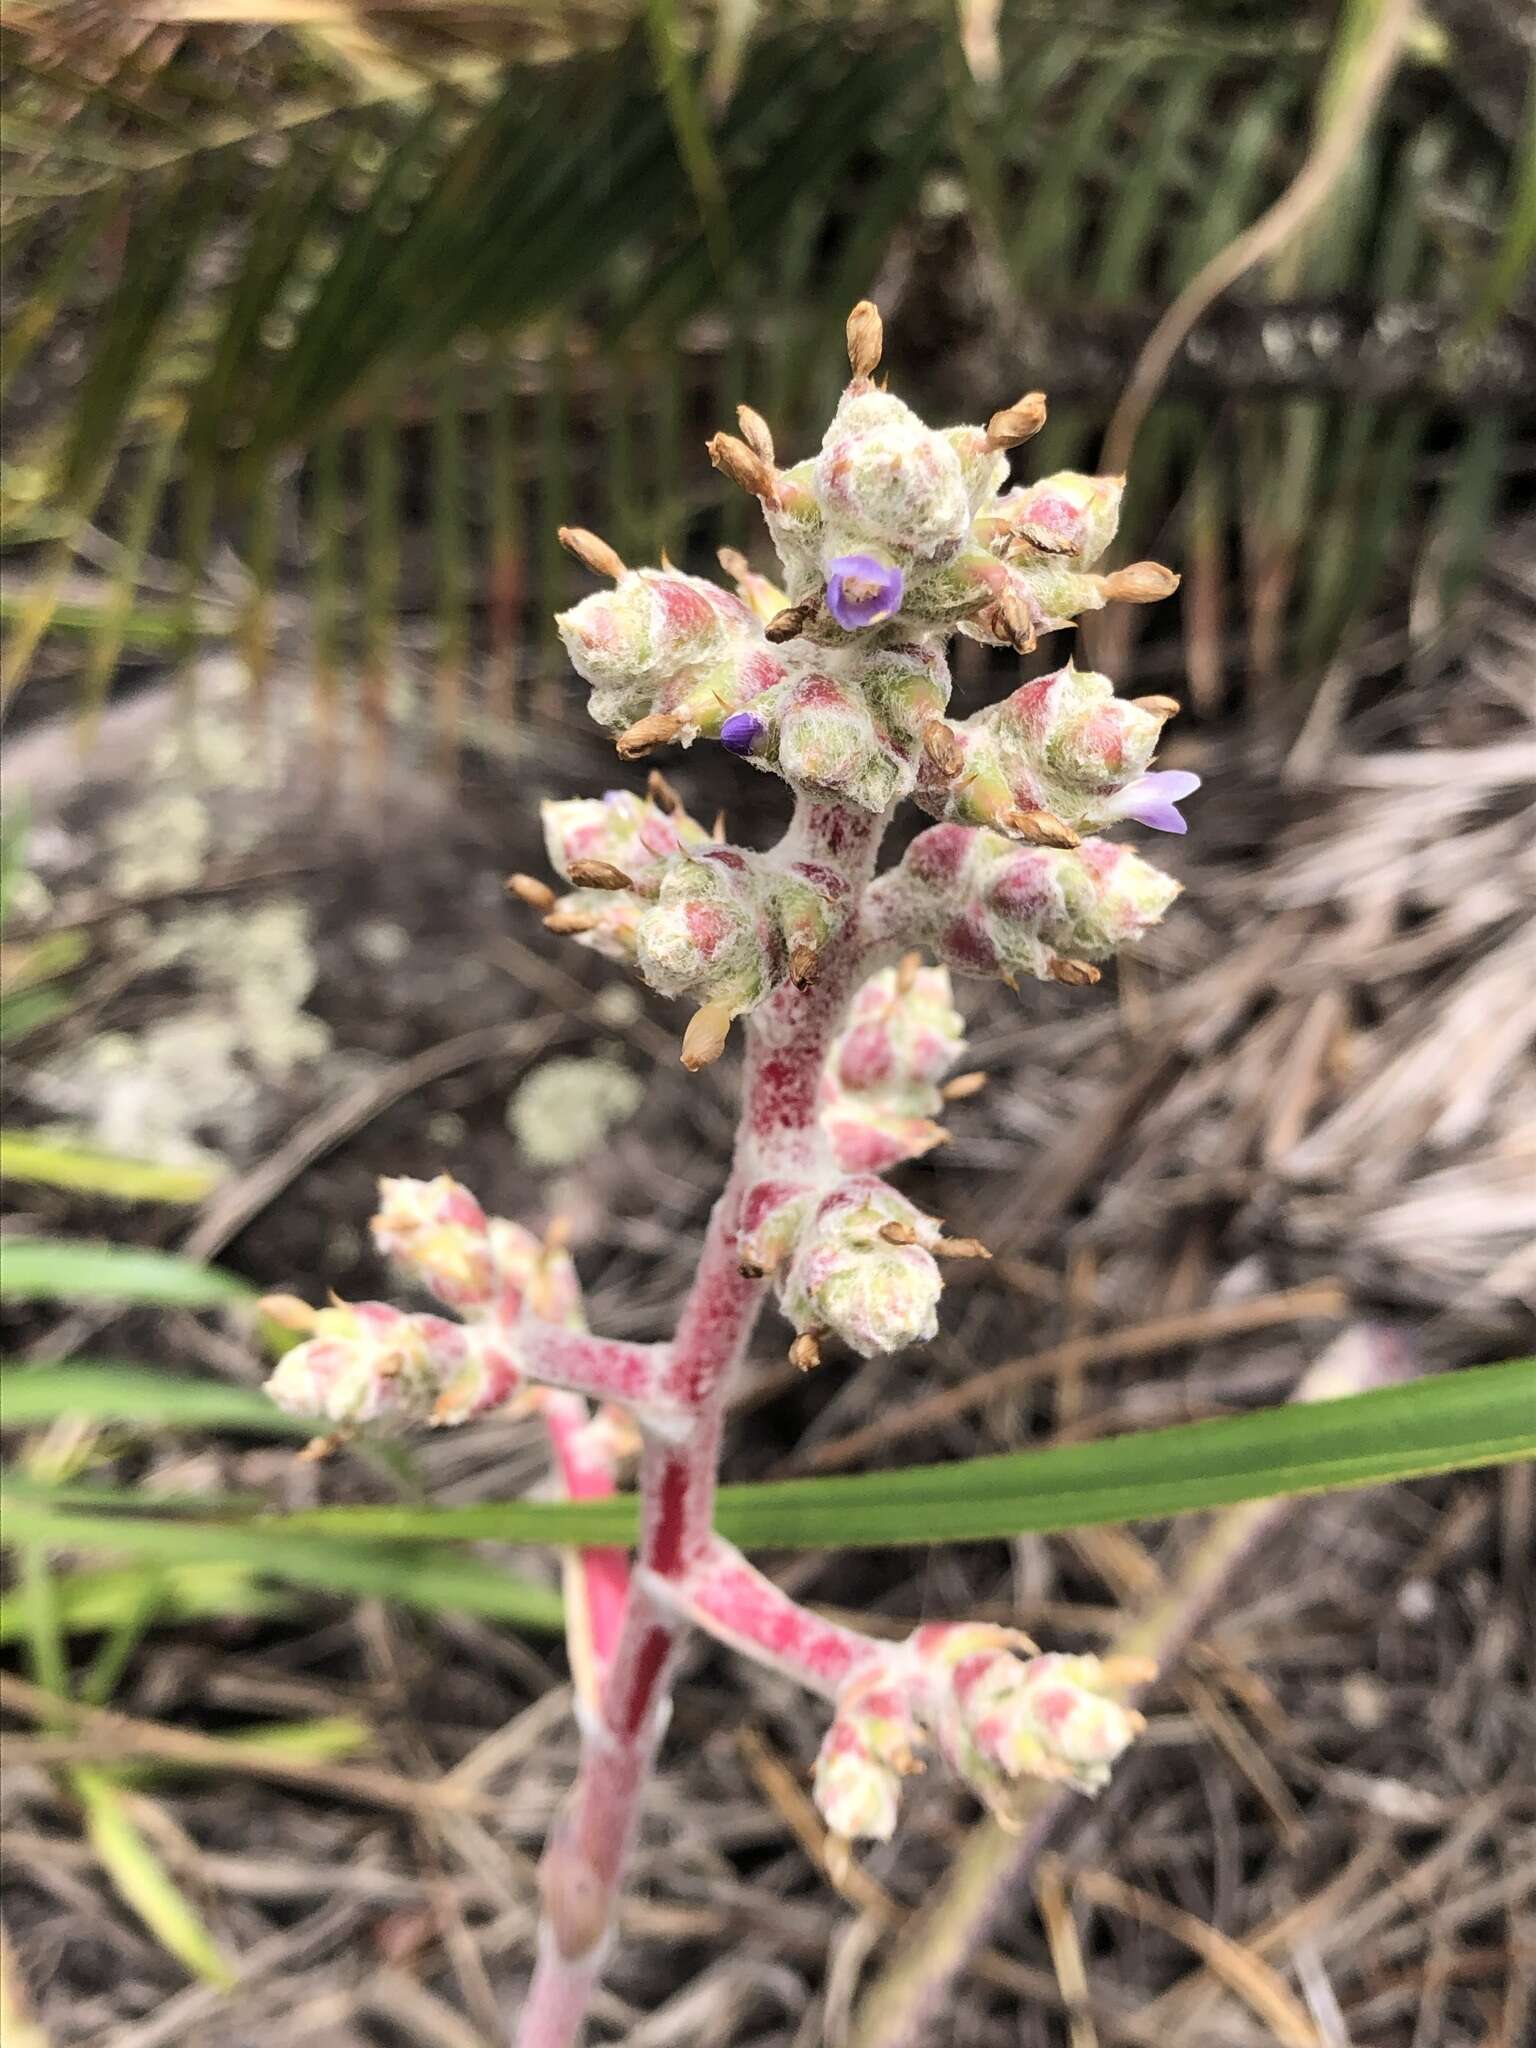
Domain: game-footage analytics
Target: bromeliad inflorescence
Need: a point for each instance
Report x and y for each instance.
(833, 677)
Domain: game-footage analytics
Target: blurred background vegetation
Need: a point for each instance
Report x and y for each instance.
(321, 315)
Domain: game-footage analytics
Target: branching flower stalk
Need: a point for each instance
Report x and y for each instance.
(892, 538)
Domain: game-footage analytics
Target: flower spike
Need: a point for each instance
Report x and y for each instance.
(832, 674)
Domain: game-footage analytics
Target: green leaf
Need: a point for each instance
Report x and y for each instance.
(31, 1396)
(142, 1881)
(1485, 1415)
(85, 1169)
(76, 1269)
(101, 1602)
(436, 1584)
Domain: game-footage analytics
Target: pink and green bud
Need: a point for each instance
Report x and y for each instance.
(795, 526)
(983, 465)
(478, 1264)
(729, 927)
(1064, 744)
(438, 1233)
(621, 830)
(989, 906)
(606, 921)
(905, 688)
(534, 1277)
(764, 599)
(872, 1744)
(862, 1269)
(884, 477)
(817, 731)
(880, 1094)
(999, 1716)
(828, 745)
(662, 642)
(1069, 519)
(367, 1363)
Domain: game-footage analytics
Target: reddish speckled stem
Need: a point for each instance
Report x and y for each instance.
(779, 1132)
(596, 1580)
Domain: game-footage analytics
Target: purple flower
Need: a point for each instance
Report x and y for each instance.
(863, 591)
(1154, 799)
(741, 732)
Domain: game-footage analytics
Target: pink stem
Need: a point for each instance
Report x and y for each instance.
(722, 1593)
(787, 1040)
(596, 1580)
(635, 1376)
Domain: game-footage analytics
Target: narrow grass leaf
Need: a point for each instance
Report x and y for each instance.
(75, 1269)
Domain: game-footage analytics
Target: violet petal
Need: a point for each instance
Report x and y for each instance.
(1153, 799)
(741, 732)
(863, 591)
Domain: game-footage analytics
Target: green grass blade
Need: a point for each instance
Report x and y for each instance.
(1485, 1415)
(32, 1396)
(450, 561)
(77, 1269)
(1467, 505)
(86, 1170)
(142, 1881)
(685, 111)
(101, 1602)
(410, 1576)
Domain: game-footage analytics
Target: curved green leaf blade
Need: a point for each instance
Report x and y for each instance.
(464, 1585)
(87, 1170)
(79, 1269)
(1485, 1415)
(32, 1396)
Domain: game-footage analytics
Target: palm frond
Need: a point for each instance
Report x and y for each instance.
(391, 304)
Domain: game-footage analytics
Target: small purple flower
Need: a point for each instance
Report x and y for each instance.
(741, 732)
(863, 591)
(1154, 799)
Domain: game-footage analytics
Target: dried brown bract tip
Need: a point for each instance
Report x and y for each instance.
(1017, 423)
(1124, 1674)
(1074, 973)
(659, 730)
(908, 968)
(288, 1312)
(960, 1248)
(530, 890)
(1007, 618)
(1141, 583)
(1040, 828)
(790, 623)
(805, 1352)
(662, 794)
(704, 1040)
(592, 551)
(1159, 707)
(898, 1233)
(942, 750)
(866, 338)
(804, 963)
(754, 431)
(570, 924)
(319, 1448)
(963, 1086)
(599, 874)
(733, 458)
